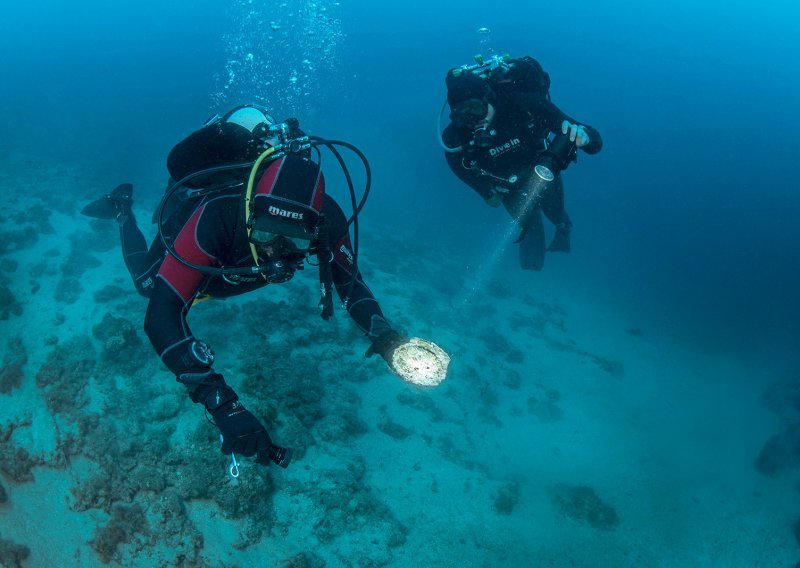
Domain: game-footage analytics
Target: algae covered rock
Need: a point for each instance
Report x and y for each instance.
(122, 346)
(12, 555)
(580, 502)
(11, 372)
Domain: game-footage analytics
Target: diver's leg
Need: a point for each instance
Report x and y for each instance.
(521, 205)
(553, 208)
(142, 264)
(531, 245)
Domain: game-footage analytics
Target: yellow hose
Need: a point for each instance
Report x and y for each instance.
(249, 195)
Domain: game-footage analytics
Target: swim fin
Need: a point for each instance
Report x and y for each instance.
(111, 205)
(531, 242)
(561, 241)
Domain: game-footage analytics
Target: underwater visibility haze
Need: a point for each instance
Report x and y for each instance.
(634, 403)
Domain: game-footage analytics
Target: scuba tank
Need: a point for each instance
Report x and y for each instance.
(287, 139)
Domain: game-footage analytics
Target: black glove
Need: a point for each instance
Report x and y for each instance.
(242, 432)
(385, 344)
(275, 454)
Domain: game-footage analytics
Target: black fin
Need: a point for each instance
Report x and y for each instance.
(111, 205)
(560, 242)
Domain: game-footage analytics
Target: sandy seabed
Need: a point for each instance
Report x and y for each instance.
(567, 434)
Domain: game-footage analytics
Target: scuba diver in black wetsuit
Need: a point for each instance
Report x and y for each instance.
(498, 143)
(248, 209)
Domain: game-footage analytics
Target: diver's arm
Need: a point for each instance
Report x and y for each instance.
(362, 306)
(174, 291)
(361, 303)
(366, 313)
(555, 117)
(548, 114)
(166, 327)
(192, 360)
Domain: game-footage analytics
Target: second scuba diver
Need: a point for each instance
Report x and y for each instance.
(498, 143)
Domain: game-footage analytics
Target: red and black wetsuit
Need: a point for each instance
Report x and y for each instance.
(214, 235)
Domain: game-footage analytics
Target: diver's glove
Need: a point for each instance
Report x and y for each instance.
(385, 344)
(242, 432)
(577, 133)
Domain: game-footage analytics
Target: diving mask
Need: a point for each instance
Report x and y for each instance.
(267, 238)
(468, 113)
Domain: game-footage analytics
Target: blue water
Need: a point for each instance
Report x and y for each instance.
(689, 206)
(687, 220)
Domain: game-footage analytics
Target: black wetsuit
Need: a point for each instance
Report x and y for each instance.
(522, 122)
(213, 234)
